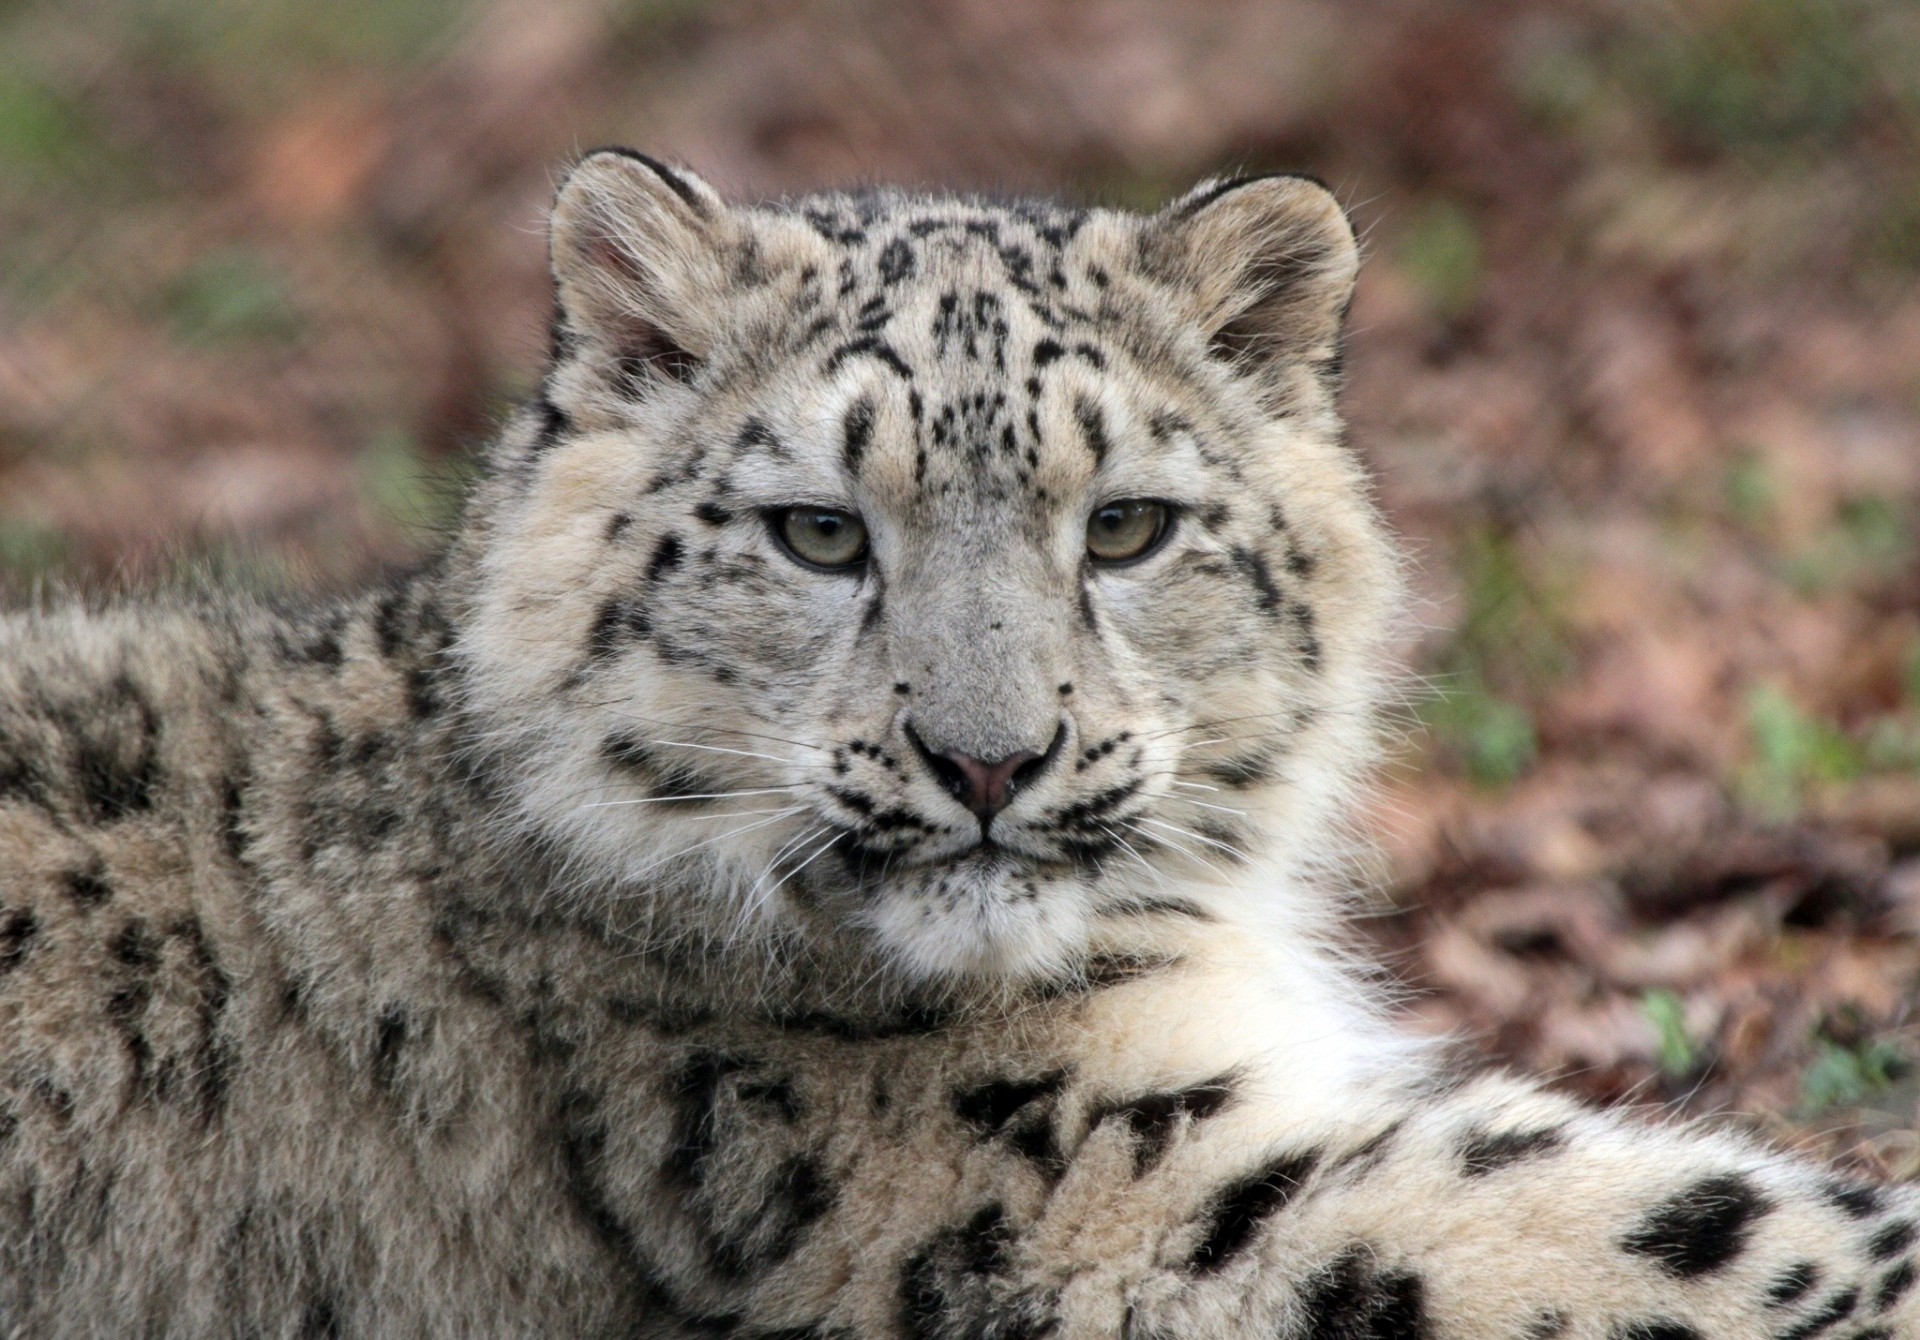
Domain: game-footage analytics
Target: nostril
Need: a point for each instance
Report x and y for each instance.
(1035, 764)
(984, 787)
(952, 777)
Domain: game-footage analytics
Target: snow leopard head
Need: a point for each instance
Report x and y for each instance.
(957, 574)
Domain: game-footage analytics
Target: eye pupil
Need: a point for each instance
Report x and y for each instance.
(1123, 531)
(821, 537)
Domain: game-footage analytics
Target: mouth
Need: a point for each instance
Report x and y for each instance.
(985, 861)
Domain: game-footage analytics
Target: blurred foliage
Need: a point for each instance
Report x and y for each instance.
(1509, 644)
(1850, 1065)
(1871, 539)
(1792, 752)
(1674, 1047)
(223, 40)
(29, 551)
(1758, 74)
(1751, 489)
(1439, 247)
(233, 294)
(419, 494)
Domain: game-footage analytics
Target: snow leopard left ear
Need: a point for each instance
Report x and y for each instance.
(1268, 264)
(638, 265)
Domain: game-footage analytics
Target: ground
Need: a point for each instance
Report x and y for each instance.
(1636, 359)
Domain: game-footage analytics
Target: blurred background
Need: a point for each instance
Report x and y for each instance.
(1636, 360)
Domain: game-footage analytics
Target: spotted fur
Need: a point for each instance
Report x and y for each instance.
(592, 932)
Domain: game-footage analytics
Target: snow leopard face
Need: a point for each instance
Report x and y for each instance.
(960, 575)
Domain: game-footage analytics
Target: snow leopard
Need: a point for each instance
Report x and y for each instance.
(850, 837)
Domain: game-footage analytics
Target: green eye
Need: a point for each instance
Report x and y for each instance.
(822, 537)
(1131, 528)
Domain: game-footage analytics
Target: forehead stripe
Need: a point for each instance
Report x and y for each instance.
(1093, 426)
(857, 429)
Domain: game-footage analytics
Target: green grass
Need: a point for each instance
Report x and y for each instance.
(28, 551)
(1871, 539)
(1439, 247)
(1510, 642)
(418, 495)
(1674, 1049)
(1492, 739)
(338, 33)
(1761, 75)
(1843, 1075)
(1750, 489)
(231, 296)
(1790, 753)
(43, 135)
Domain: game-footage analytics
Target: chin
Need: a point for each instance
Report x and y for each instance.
(985, 917)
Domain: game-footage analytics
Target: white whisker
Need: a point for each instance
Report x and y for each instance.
(709, 841)
(704, 795)
(717, 749)
(1228, 848)
(1224, 809)
(813, 856)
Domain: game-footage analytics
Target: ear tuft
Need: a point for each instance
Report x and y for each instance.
(636, 249)
(1268, 264)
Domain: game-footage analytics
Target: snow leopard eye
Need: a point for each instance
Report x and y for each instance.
(1129, 529)
(821, 537)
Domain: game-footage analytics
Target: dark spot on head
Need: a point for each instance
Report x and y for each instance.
(755, 435)
(619, 622)
(1093, 427)
(320, 1318)
(1254, 568)
(17, 931)
(135, 946)
(89, 887)
(617, 526)
(666, 557)
(713, 513)
(389, 1035)
(857, 433)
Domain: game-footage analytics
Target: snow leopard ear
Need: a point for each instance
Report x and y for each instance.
(1269, 266)
(637, 253)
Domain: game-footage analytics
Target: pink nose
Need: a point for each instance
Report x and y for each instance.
(984, 787)
(988, 786)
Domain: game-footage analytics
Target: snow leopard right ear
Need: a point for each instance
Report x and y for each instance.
(637, 253)
(1268, 267)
